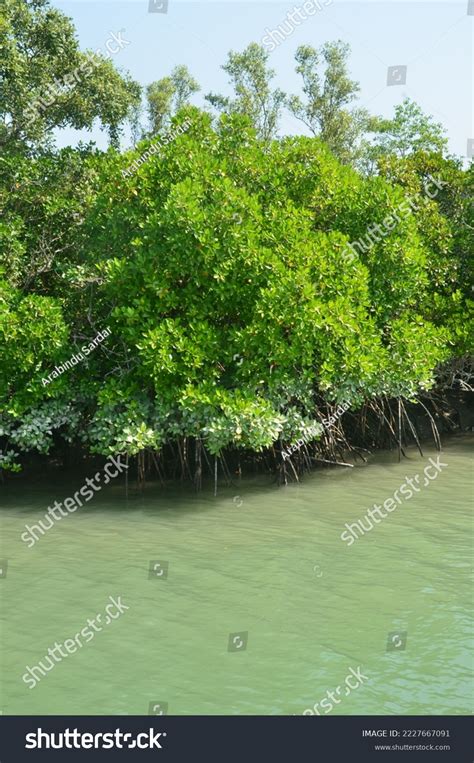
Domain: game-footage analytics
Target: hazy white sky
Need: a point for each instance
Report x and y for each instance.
(432, 38)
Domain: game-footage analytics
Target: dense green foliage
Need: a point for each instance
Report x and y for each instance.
(221, 267)
(46, 81)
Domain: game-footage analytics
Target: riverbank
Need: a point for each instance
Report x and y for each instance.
(343, 437)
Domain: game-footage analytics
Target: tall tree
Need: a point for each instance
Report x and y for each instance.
(409, 131)
(329, 90)
(167, 95)
(46, 82)
(253, 94)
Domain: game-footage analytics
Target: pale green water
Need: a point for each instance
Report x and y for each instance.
(274, 566)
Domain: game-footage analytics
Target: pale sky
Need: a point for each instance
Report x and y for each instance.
(433, 39)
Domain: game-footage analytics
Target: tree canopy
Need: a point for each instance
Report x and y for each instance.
(47, 82)
(167, 96)
(248, 279)
(328, 95)
(251, 79)
(221, 269)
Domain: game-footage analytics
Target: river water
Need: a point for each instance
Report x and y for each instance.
(261, 607)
